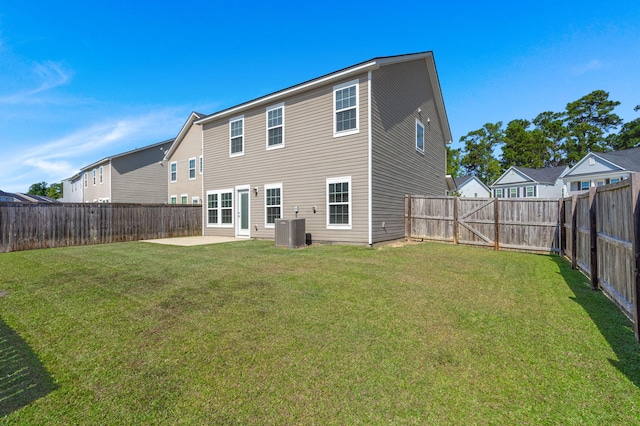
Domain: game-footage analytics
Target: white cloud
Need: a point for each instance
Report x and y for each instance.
(57, 159)
(592, 65)
(43, 77)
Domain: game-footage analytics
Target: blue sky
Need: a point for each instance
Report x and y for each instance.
(80, 81)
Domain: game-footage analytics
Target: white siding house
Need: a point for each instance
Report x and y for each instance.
(522, 182)
(597, 169)
(470, 186)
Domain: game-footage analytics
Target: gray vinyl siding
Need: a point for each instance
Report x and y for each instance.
(139, 177)
(190, 147)
(398, 92)
(311, 155)
(94, 193)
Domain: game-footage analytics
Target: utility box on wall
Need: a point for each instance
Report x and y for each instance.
(290, 233)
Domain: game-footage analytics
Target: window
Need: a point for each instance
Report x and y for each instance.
(184, 198)
(220, 208)
(86, 179)
(275, 126)
(615, 180)
(200, 164)
(195, 200)
(345, 103)
(174, 171)
(272, 204)
(192, 168)
(339, 203)
(94, 177)
(236, 136)
(100, 173)
(513, 192)
(530, 191)
(419, 136)
(584, 186)
(174, 199)
(497, 193)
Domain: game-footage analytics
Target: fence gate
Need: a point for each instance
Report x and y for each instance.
(476, 222)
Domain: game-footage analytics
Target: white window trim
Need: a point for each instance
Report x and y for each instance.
(272, 186)
(516, 191)
(171, 177)
(419, 123)
(86, 179)
(337, 134)
(94, 177)
(495, 193)
(194, 168)
(271, 108)
(233, 120)
(184, 197)
(533, 191)
(328, 209)
(195, 200)
(100, 174)
(172, 198)
(219, 208)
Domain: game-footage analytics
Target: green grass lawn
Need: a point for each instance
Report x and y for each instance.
(247, 333)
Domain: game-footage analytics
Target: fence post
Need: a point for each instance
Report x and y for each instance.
(593, 237)
(574, 232)
(407, 212)
(496, 220)
(455, 220)
(635, 222)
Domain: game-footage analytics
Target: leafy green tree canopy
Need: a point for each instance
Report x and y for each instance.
(479, 146)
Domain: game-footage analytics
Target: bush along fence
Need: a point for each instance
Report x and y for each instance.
(601, 236)
(599, 231)
(34, 226)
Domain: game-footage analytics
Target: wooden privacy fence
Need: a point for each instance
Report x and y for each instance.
(34, 226)
(601, 237)
(524, 224)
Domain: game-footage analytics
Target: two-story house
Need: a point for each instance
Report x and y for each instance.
(602, 168)
(185, 164)
(341, 151)
(135, 176)
(523, 182)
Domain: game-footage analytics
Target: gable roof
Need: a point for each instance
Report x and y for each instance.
(185, 129)
(460, 181)
(545, 175)
(27, 198)
(344, 73)
(627, 159)
(133, 151)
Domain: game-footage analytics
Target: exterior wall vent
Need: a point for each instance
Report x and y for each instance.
(290, 233)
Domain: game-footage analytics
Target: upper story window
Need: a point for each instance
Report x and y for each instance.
(201, 165)
(192, 168)
(174, 171)
(275, 126)
(339, 203)
(345, 108)
(86, 179)
(236, 136)
(94, 177)
(100, 174)
(419, 136)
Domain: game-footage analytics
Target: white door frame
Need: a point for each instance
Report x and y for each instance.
(242, 232)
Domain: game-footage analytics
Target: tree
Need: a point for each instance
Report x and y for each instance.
(629, 135)
(38, 189)
(478, 158)
(588, 120)
(551, 128)
(454, 167)
(523, 147)
(55, 191)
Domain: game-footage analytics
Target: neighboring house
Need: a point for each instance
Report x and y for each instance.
(72, 189)
(136, 176)
(522, 182)
(341, 151)
(8, 197)
(469, 186)
(597, 169)
(184, 164)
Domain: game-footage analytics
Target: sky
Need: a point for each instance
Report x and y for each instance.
(80, 81)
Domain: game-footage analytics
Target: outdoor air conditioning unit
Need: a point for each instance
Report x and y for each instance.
(290, 233)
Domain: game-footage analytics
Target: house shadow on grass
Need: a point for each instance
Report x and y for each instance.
(616, 328)
(23, 378)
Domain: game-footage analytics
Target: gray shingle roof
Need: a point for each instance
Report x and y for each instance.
(546, 175)
(628, 159)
